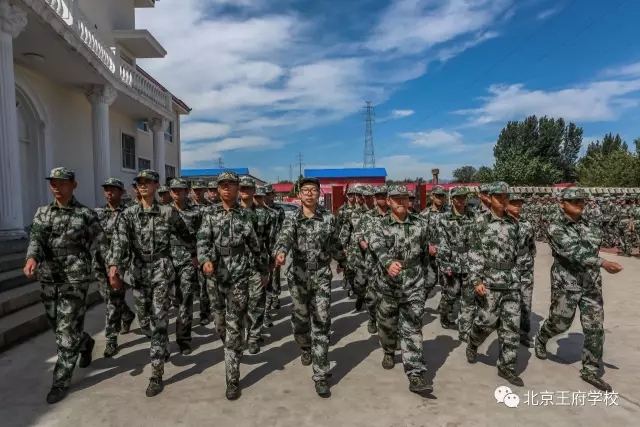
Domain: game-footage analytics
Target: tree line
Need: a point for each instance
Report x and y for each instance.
(545, 151)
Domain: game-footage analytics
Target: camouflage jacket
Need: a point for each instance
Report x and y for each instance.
(192, 217)
(347, 238)
(343, 212)
(279, 217)
(62, 240)
(368, 219)
(262, 222)
(493, 252)
(109, 219)
(405, 242)
(228, 240)
(526, 249)
(593, 214)
(575, 245)
(147, 235)
(313, 240)
(453, 242)
(432, 218)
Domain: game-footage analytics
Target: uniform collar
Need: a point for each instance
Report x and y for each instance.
(317, 214)
(71, 205)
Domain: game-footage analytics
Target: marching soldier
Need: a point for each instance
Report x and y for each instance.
(576, 283)
(431, 216)
(61, 239)
(164, 196)
(312, 239)
(273, 300)
(212, 192)
(400, 245)
(198, 189)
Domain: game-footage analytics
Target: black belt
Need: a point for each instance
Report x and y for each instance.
(499, 265)
(231, 250)
(62, 252)
(312, 266)
(153, 257)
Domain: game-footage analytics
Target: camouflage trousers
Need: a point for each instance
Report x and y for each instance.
(526, 302)
(468, 308)
(65, 307)
(400, 320)
(144, 319)
(310, 317)
(151, 282)
(561, 314)
(451, 291)
(349, 276)
(218, 304)
(434, 277)
(627, 239)
(364, 289)
(256, 308)
(499, 310)
(204, 297)
(274, 286)
(185, 285)
(230, 321)
(117, 309)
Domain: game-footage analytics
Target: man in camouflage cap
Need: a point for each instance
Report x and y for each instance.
(400, 246)
(144, 235)
(61, 239)
(526, 256)
(164, 196)
(431, 216)
(118, 314)
(198, 190)
(274, 287)
(485, 199)
(576, 283)
(493, 271)
(198, 199)
(260, 198)
(229, 249)
(212, 191)
(348, 241)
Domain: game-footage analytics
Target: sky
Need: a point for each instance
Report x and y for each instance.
(269, 80)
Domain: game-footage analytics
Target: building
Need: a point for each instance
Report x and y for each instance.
(73, 96)
(282, 188)
(343, 177)
(212, 174)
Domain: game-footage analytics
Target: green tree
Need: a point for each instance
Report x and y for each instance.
(464, 174)
(609, 163)
(296, 187)
(484, 174)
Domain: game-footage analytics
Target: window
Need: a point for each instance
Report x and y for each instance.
(128, 152)
(168, 134)
(143, 164)
(169, 171)
(143, 126)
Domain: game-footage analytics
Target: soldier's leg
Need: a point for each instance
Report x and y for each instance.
(218, 305)
(65, 307)
(410, 315)
(360, 286)
(468, 309)
(448, 297)
(432, 278)
(525, 308)
(111, 328)
(127, 314)
(320, 308)
(236, 310)
(592, 318)
(387, 311)
(485, 322)
(509, 331)
(561, 314)
(186, 284)
(255, 312)
(141, 303)
(205, 301)
(277, 286)
(300, 316)
(349, 275)
(371, 299)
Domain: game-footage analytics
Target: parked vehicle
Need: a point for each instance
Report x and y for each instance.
(290, 209)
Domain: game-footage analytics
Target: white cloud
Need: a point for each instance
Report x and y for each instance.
(437, 138)
(192, 131)
(593, 102)
(194, 155)
(398, 114)
(548, 13)
(629, 70)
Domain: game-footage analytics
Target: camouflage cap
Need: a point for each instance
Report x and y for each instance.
(459, 191)
(246, 181)
(573, 193)
(498, 187)
(113, 182)
(148, 174)
(380, 189)
(260, 191)
(484, 188)
(350, 189)
(398, 191)
(516, 197)
(439, 190)
(268, 189)
(198, 184)
(134, 183)
(309, 180)
(367, 190)
(163, 189)
(61, 173)
(228, 176)
(212, 185)
(178, 183)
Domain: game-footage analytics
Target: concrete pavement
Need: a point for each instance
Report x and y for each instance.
(278, 390)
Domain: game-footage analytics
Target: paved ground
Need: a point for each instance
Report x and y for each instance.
(278, 390)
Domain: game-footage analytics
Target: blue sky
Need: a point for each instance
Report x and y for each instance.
(268, 79)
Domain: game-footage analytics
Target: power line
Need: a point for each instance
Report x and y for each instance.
(290, 172)
(220, 163)
(300, 162)
(369, 154)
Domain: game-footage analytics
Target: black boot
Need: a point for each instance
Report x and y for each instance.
(233, 391)
(111, 349)
(56, 394)
(322, 388)
(86, 355)
(155, 387)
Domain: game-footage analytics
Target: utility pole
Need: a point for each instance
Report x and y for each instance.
(369, 156)
(290, 172)
(300, 162)
(220, 163)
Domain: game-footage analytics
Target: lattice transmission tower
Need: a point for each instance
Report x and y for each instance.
(369, 154)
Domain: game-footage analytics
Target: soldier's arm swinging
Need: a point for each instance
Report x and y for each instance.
(377, 245)
(285, 238)
(37, 237)
(205, 242)
(335, 246)
(476, 255)
(566, 248)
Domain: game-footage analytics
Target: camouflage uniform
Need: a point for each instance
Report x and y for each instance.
(624, 221)
(203, 293)
(358, 257)
(186, 274)
(452, 248)
(431, 216)
(61, 239)
(401, 299)
(163, 191)
(526, 256)
(493, 262)
(312, 241)
(227, 239)
(261, 221)
(118, 313)
(146, 236)
(273, 300)
(349, 242)
(344, 214)
(576, 283)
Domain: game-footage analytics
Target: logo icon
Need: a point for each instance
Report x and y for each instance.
(504, 394)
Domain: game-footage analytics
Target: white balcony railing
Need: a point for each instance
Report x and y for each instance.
(70, 12)
(143, 86)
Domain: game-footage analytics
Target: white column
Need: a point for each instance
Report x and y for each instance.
(101, 97)
(158, 126)
(12, 22)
